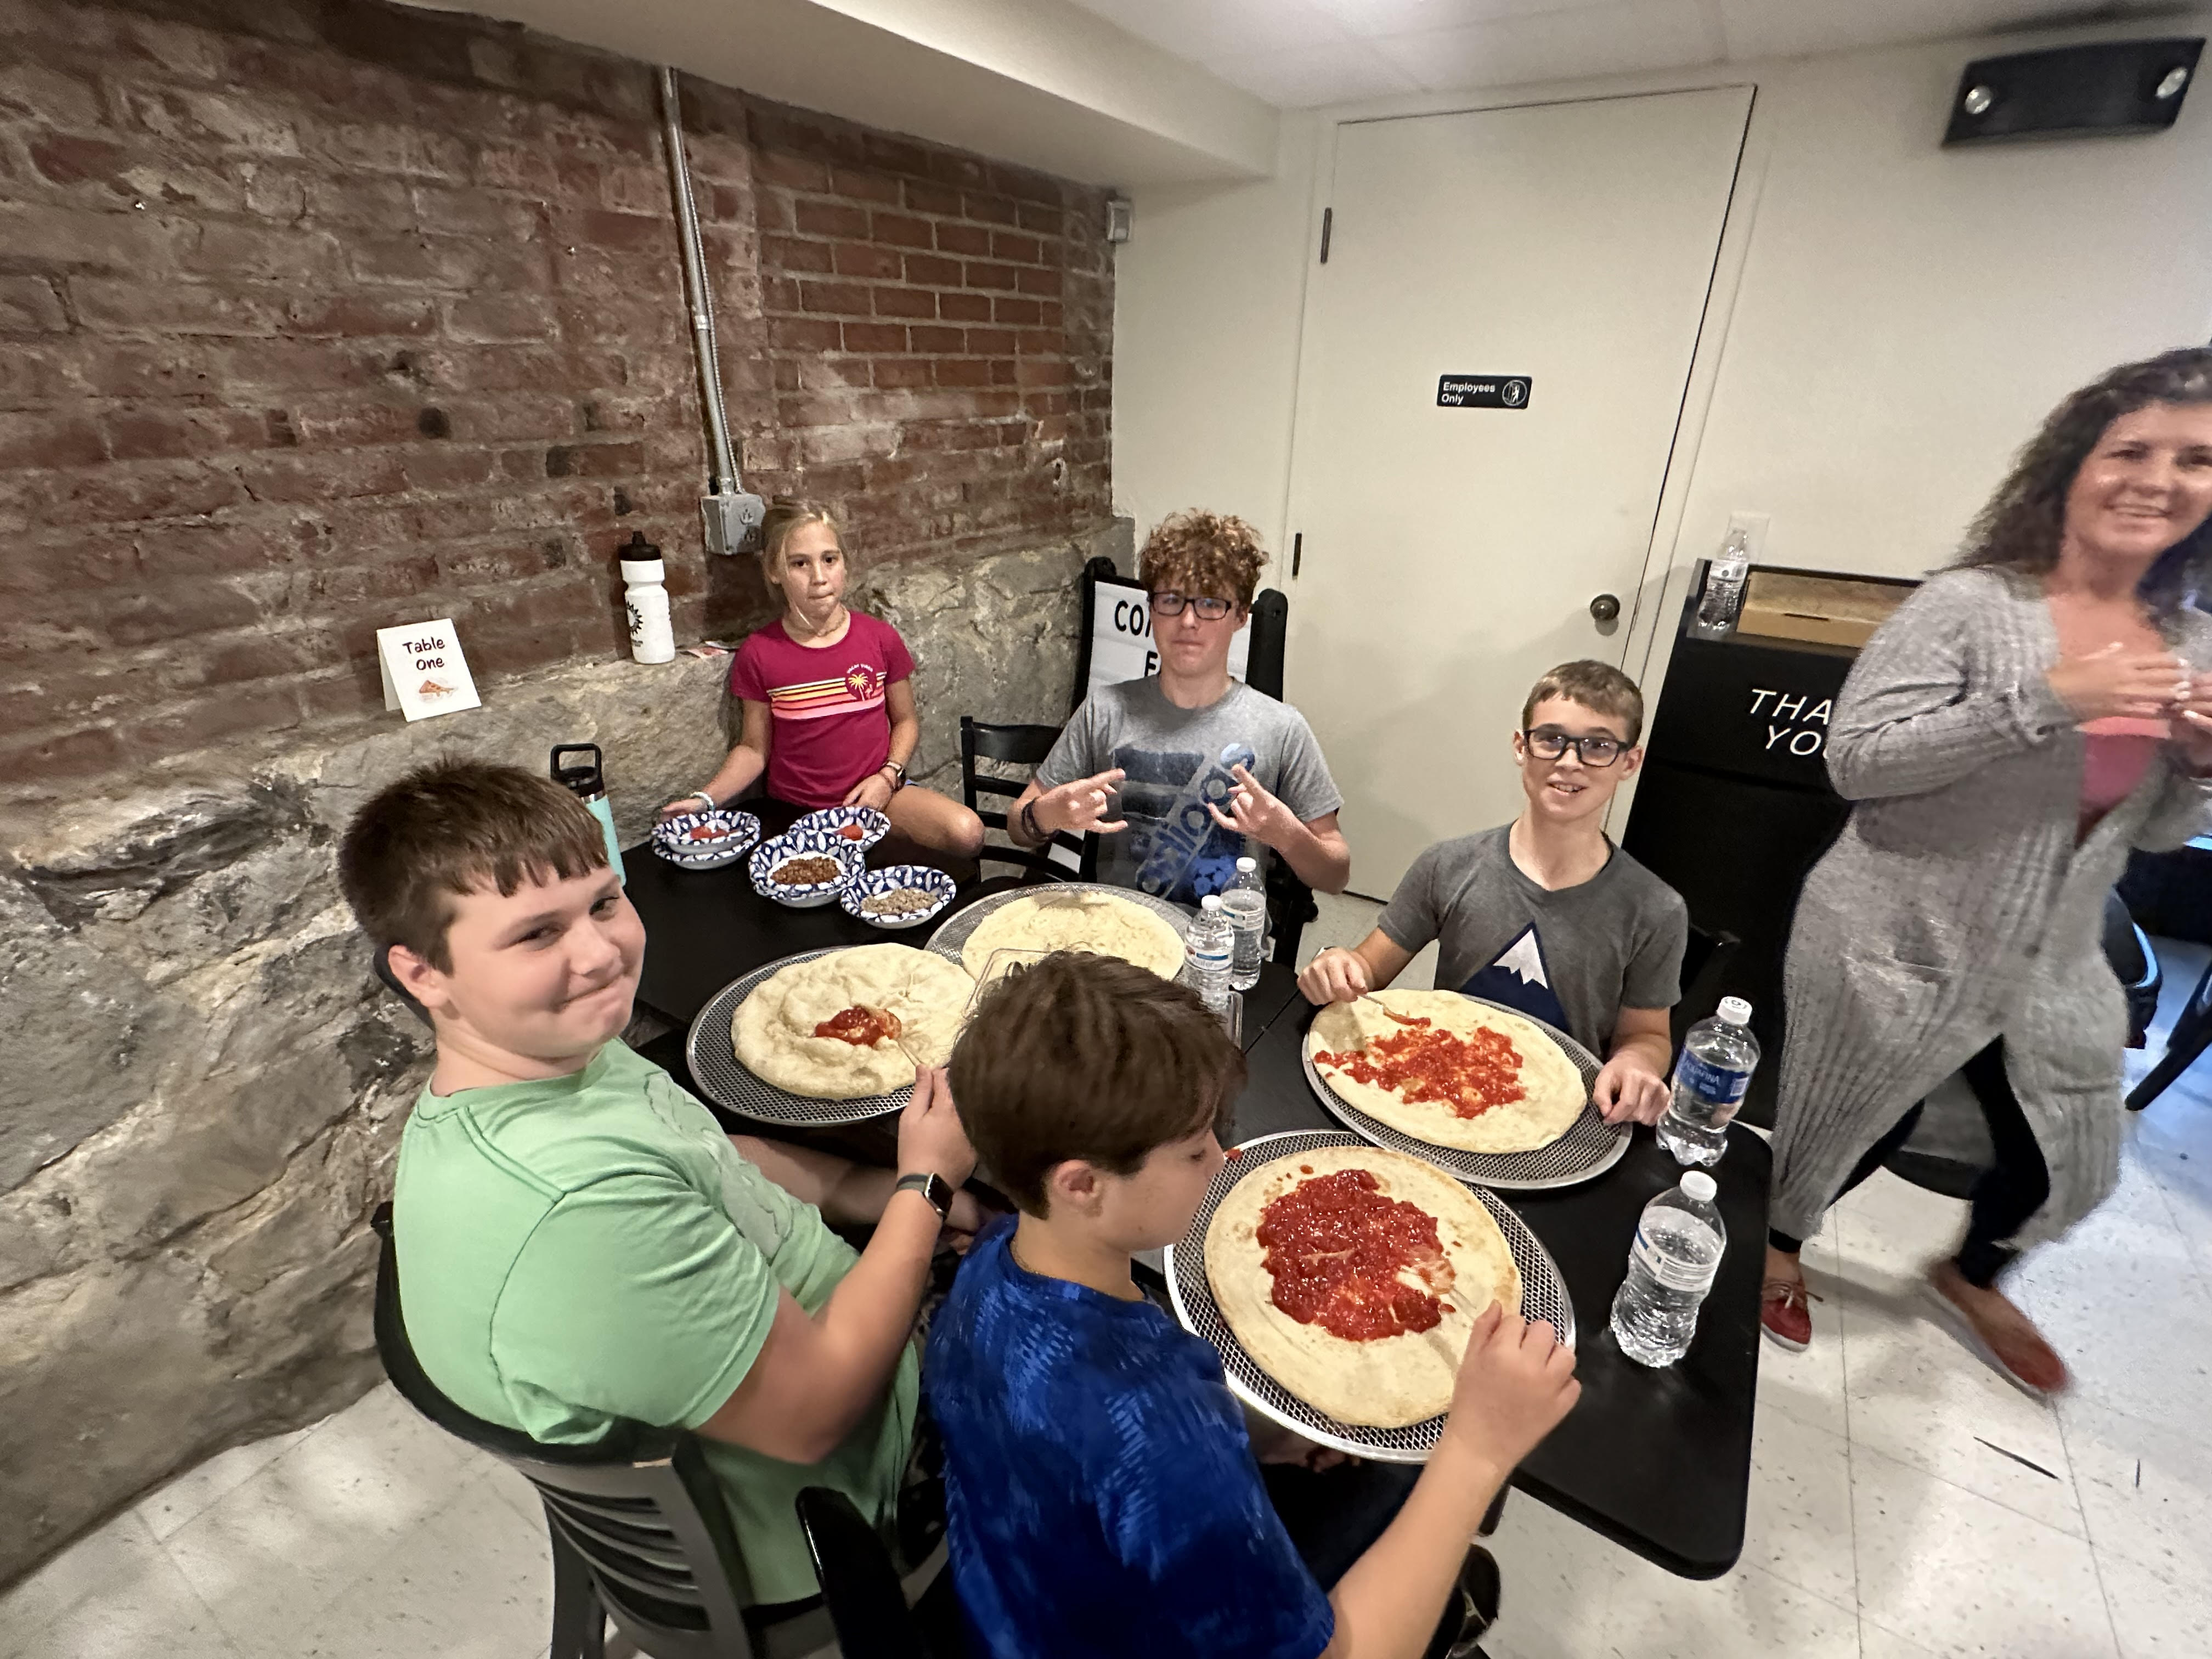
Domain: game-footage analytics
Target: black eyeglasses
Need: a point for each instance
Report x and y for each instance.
(1170, 604)
(1592, 751)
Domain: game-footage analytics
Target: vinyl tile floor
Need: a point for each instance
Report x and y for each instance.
(1904, 1501)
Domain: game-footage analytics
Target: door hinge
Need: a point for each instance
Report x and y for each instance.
(1298, 554)
(1327, 224)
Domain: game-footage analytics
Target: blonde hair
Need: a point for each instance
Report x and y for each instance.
(787, 513)
(1214, 554)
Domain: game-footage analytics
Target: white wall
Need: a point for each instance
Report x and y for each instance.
(1891, 320)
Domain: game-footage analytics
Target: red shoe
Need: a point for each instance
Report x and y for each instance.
(1783, 1315)
(1990, 1324)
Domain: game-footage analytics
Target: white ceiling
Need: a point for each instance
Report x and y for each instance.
(1298, 53)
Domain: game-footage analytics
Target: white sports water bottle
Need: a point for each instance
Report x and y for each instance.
(645, 599)
(1246, 902)
(1671, 1266)
(1724, 580)
(1717, 1059)
(1207, 948)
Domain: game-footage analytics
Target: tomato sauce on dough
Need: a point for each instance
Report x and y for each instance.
(1470, 1074)
(860, 1025)
(1335, 1248)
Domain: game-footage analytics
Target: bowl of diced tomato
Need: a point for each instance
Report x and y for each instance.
(706, 841)
(861, 827)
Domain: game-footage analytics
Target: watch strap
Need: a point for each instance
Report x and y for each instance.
(935, 1187)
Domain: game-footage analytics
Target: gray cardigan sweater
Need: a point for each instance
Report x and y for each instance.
(1955, 907)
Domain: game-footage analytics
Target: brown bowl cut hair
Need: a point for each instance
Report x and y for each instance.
(454, 827)
(1201, 554)
(1089, 1057)
(1598, 686)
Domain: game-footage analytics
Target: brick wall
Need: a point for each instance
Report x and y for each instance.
(319, 316)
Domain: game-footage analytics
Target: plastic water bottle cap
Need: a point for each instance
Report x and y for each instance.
(1210, 901)
(1247, 866)
(1735, 1010)
(1700, 1185)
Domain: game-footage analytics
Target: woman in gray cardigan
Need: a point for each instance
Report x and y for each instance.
(2020, 723)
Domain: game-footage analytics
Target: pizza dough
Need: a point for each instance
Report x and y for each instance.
(1552, 1094)
(773, 1029)
(1082, 919)
(1390, 1382)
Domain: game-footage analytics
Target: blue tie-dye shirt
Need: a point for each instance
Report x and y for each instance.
(1103, 1494)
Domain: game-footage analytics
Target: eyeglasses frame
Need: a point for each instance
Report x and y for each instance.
(1529, 736)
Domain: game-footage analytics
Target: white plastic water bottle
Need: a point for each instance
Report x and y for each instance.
(1677, 1251)
(1207, 948)
(1713, 1070)
(1724, 580)
(645, 596)
(1246, 902)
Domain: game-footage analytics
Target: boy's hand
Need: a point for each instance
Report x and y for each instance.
(1515, 1383)
(1252, 812)
(1628, 1090)
(1080, 807)
(1335, 976)
(930, 1139)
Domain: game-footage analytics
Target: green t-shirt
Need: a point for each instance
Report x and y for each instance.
(593, 1247)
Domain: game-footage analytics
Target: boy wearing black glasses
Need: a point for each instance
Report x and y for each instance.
(1545, 913)
(1178, 769)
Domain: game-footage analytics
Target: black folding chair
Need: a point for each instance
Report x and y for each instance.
(639, 1531)
(1705, 958)
(860, 1586)
(1024, 746)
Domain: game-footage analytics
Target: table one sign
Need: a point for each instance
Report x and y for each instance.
(1483, 391)
(424, 672)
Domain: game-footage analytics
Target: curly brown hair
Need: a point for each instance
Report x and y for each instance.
(1199, 553)
(2024, 522)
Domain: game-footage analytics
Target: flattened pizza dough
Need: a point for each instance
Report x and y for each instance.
(1390, 1382)
(1077, 921)
(773, 1029)
(1553, 1095)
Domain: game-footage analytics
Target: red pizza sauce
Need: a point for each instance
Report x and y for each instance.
(860, 1025)
(853, 832)
(1471, 1074)
(1335, 1246)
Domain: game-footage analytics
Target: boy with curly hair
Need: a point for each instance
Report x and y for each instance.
(1178, 769)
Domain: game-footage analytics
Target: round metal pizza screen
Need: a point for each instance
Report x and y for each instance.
(1543, 1296)
(715, 1065)
(1589, 1147)
(949, 940)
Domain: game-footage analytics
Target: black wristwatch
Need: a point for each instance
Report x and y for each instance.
(935, 1187)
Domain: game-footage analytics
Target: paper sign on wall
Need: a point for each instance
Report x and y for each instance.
(1121, 645)
(424, 672)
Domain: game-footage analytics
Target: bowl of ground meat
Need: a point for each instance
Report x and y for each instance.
(804, 869)
(903, 896)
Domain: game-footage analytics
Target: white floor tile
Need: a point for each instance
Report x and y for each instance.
(1809, 1386)
(2146, 1490)
(475, 1581)
(2157, 1616)
(1887, 1230)
(1747, 1614)
(1557, 1581)
(187, 1496)
(271, 1554)
(1798, 1527)
(1949, 1569)
(520, 1494)
(114, 1595)
(1918, 1394)
(1875, 1643)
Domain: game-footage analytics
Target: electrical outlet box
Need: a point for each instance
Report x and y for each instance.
(1753, 525)
(731, 520)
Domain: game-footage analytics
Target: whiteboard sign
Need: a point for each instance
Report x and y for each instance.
(424, 672)
(1122, 637)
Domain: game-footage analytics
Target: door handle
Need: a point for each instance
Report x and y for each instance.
(1605, 607)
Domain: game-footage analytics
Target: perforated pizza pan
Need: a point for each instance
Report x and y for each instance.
(949, 940)
(1543, 1296)
(1589, 1147)
(715, 1065)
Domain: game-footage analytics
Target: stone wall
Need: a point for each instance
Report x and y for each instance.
(205, 1086)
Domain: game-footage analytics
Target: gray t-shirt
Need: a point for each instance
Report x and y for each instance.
(1574, 957)
(1177, 761)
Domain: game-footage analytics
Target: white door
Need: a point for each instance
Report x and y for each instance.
(1558, 258)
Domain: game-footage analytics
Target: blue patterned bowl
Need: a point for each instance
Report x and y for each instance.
(832, 820)
(673, 839)
(811, 843)
(874, 884)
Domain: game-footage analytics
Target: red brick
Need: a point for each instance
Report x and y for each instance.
(905, 302)
(982, 275)
(964, 307)
(936, 341)
(43, 440)
(858, 184)
(173, 612)
(152, 435)
(87, 751)
(1046, 283)
(841, 299)
(790, 253)
(1021, 312)
(894, 372)
(990, 342)
(1022, 250)
(964, 371)
(925, 198)
(874, 337)
(931, 270)
(963, 239)
(774, 167)
(212, 716)
(830, 219)
(899, 230)
(867, 260)
(993, 209)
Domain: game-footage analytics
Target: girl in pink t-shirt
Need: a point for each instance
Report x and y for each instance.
(828, 697)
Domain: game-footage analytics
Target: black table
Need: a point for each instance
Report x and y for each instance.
(1657, 1460)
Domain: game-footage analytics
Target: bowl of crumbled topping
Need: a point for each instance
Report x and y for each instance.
(903, 896)
(804, 869)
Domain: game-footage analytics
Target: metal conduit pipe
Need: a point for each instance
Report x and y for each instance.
(729, 515)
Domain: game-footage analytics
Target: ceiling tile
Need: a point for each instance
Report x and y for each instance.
(1203, 29)
(1306, 76)
(1602, 40)
(1791, 28)
(1366, 19)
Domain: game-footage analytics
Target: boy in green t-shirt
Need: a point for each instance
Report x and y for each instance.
(578, 1240)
